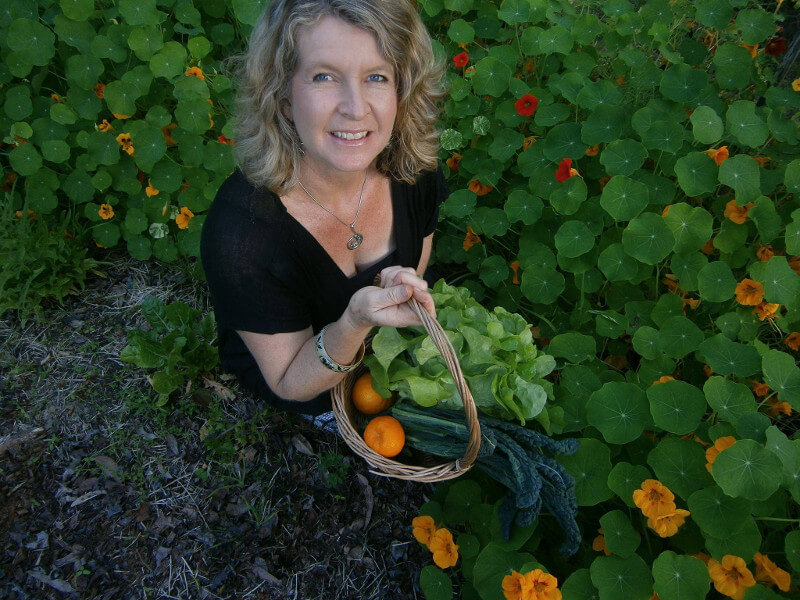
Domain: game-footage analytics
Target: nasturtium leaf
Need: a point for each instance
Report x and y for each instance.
(747, 470)
(135, 221)
(149, 144)
(199, 46)
(782, 374)
(555, 39)
(781, 283)
(756, 25)
(435, 583)
(624, 198)
(31, 41)
(573, 239)
(542, 285)
(716, 513)
(741, 173)
(667, 305)
(766, 218)
(792, 237)
(707, 125)
(169, 61)
(731, 400)
(491, 77)
(676, 406)
(679, 336)
(792, 547)
(665, 136)
(733, 65)
(597, 93)
(139, 247)
(680, 83)
(493, 271)
(514, 12)
(519, 206)
(490, 221)
(578, 586)
(57, 151)
(106, 234)
(646, 341)
(697, 173)
(590, 467)
(564, 141)
(716, 282)
(139, 12)
(745, 542)
(731, 236)
(18, 105)
(451, 139)
(84, 70)
(616, 264)
(166, 176)
(753, 426)
(580, 380)
(679, 577)
(745, 125)
(247, 11)
(550, 114)
(505, 143)
(459, 204)
(461, 32)
(573, 347)
(714, 14)
(647, 238)
(193, 115)
(785, 449)
(692, 227)
(617, 578)
(604, 124)
(625, 478)
(567, 197)
(610, 323)
(623, 157)
(680, 465)
(730, 358)
(619, 411)
(621, 538)
(662, 190)
(687, 266)
(791, 176)
(25, 160)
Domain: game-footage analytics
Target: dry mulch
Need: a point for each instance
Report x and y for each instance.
(104, 494)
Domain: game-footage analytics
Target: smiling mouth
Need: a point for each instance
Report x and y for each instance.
(344, 135)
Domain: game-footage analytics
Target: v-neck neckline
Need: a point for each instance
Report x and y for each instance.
(321, 249)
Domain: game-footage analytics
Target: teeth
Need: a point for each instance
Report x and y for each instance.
(349, 136)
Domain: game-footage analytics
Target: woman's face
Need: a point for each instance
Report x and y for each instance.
(343, 97)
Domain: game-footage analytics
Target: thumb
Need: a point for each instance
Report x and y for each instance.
(397, 294)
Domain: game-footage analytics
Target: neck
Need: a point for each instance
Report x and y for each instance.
(332, 190)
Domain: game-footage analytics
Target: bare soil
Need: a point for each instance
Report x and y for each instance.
(104, 494)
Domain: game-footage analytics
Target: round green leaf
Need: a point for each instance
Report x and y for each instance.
(648, 238)
(680, 577)
(514, 12)
(555, 39)
(680, 465)
(597, 93)
(619, 411)
(493, 271)
(742, 174)
(505, 143)
(435, 583)
(621, 538)
(590, 467)
(31, 41)
(747, 470)
(625, 478)
(77, 10)
(665, 136)
(193, 115)
(697, 173)
(680, 83)
(199, 46)
(18, 105)
(679, 336)
(610, 323)
(460, 204)
(745, 125)
(106, 234)
(605, 124)
(792, 546)
(623, 157)
(716, 282)
(716, 513)
(139, 12)
(149, 145)
(691, 226)
(550, 114)
(139, 248)
(728, 358)
(733, 66)
(624, 198)
(542, 285)
(461, 32)
(169, 61)
(617, 578)
(25, 160)
(714, 14)
(521, 206)
(491, 77)
(55, 151)
(756, 25)
(564, 141)
(781, 283)
(687, 267)
(567, 197)
(782, 374)
(573, 239)
(578, 586)
(730, 399)
(706, 125)
(791, 176)
(573, 347)
(84, 70)
(146, 41)
(745, 542)
(120, 98)
(616, 264)
(676, 406)
(647, 342)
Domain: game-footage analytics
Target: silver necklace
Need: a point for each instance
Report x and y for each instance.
(355, 239)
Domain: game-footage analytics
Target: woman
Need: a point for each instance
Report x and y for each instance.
(338, 183)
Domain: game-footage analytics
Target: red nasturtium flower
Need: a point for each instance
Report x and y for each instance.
(183, 218)
(720, 444)
(776, 46)
(731, 577)
(564, 170)
(749, 292)
(470, 239)
(461, 60)
(479, 188)
(223, 139)
(527, 105)
(99, 90)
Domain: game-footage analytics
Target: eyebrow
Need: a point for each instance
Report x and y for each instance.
(386, 66)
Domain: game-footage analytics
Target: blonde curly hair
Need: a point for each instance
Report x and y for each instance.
(267, 146)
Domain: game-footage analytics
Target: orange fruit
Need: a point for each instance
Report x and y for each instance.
(385, 436)
(366, 399)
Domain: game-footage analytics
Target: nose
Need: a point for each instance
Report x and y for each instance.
(354, 103)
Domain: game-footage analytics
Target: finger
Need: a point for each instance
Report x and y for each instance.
(389, 274)
(411, 279)
(426, 300)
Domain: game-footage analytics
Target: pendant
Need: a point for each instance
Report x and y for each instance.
(355, 241)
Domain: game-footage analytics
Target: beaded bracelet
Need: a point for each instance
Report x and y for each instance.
(331, 364)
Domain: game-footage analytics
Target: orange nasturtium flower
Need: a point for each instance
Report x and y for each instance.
(760, 389)
(124, 140)
(593, 150)
(794, 264)
(517, 587)
(796, 85)
(664, 379)
(470, 239)
(99, 90)
(454, 161)
(753, 50)
(183, 217)
(57, 98)
(224, 139)
(769, 572)
(761, 160)
(736, 213)
(167, 131)
(424, 528)
(121, 117)
(533, 585)
(668, 525)
(654, 499)
(105, 126)
(515, 269)
(720, 444)
(445, 551)
(793, 341)
(767, 310)
(528, 142)
(195, 72)
(599, 543)
(764, 253)
(749, 292)
(106, 212)
(150, 190)
(479, 188)
(732, 577)
(778, 408)
(718, 155)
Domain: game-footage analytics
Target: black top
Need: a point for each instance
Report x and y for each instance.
(268, 274)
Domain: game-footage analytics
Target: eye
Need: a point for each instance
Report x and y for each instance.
(377, 77)
(322, 77)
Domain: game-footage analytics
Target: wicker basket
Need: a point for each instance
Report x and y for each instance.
(349, 420)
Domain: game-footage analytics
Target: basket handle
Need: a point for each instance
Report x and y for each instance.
(445, 347)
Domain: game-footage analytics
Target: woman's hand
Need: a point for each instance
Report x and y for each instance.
(387, 305)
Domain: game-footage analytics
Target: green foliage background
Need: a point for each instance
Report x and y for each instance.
(653, 84)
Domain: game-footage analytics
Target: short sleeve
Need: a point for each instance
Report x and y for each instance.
(253, 286)
(437, 192)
